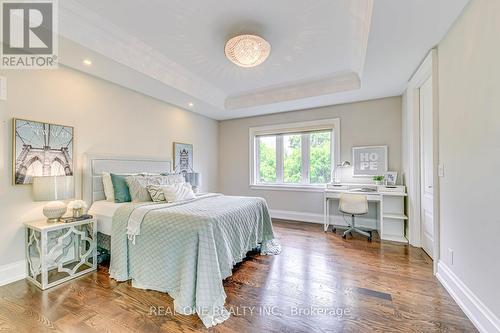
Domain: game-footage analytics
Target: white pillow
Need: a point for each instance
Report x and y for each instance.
(178, 192)
(109, 192)
(137, 185)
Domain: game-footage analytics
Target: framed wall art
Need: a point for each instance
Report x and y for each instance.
(40, 149)
(369, 161)
(183, 157)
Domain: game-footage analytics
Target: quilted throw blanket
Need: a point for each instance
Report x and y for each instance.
(187, 249)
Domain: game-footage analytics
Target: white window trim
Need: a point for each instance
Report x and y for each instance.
(316, 125)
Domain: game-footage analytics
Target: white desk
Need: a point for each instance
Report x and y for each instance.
(390, 202)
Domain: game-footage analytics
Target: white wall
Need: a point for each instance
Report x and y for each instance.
(469, 139)
(376, 122)
(107, 119)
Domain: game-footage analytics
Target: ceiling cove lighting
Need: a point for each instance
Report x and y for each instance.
(247, 50)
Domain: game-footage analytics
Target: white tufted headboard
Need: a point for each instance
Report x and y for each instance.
(95, 165)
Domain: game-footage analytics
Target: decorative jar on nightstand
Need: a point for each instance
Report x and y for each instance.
(58, 252)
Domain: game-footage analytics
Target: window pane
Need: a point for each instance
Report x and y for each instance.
(320, 157)
(292, 158)
(267, 159)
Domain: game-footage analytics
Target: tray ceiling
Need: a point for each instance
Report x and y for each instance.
(323, 51)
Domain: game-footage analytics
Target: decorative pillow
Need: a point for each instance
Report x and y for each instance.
(178, 192)
(109, 192)
(174, 178)
(156, 193)
(137, 188)
(138, 185)
(120, 188)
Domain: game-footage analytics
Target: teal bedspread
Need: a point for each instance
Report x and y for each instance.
(187, 249)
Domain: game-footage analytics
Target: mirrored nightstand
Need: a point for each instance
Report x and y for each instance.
(58, 252)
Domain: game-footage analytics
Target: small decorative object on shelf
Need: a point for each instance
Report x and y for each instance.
(77, 207)
(75, 219)
(378, 180)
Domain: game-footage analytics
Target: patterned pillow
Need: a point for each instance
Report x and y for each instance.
(138, 185)
(156, 193)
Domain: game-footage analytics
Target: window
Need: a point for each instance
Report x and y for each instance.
(267, 159)
(292, 158)
(320, 157)
(299, 154)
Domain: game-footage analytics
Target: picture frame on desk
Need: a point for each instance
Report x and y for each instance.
(391, 177)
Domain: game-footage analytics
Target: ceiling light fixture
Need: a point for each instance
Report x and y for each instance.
(191, 105)
(87, 62)
(247, 50)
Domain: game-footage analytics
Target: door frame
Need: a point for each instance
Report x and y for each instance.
(428, 68)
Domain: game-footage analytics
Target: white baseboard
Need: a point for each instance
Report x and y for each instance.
(296, 216)
(312, 218)
(12, 272)
(482, 317)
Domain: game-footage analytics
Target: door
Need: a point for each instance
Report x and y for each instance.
(426, 167)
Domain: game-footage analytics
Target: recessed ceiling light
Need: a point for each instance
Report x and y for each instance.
(87, 62)
(247, 50)
(191, 105)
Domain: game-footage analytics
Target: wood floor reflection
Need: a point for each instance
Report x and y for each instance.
(319, 283)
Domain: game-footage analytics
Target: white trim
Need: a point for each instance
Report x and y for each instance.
(293, 188)
(12, 272)
(279, 160)
(315, 125)
(302, 126)
(305, 158)
(394, 238)
(332, 83)
(310, 218)
(481, 316)
(297, 216)
(429, 68)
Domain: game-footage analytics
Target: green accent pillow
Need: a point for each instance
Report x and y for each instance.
(120, 187)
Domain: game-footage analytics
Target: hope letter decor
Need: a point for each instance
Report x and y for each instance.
(369, 161)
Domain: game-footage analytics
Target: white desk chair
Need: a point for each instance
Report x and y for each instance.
(354, 205)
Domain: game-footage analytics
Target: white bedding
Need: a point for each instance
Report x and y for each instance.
(103, 211)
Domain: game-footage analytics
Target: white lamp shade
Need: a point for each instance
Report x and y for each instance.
(194, 178)
(52, 188)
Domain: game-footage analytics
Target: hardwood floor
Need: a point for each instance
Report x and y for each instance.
(351, 285)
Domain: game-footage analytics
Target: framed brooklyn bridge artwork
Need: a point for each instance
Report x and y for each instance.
(41, 149)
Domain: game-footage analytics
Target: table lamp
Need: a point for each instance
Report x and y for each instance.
(53, 189)
(337, 172)
(194, 178)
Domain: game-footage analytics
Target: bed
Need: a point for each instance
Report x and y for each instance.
(183, 248)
